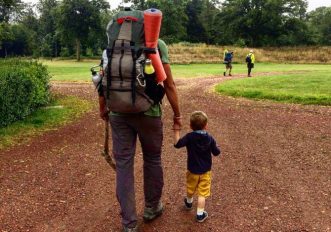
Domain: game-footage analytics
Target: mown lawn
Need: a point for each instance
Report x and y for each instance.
(80, 71)
(306, 88)
(306, 84)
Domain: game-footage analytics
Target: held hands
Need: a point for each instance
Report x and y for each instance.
(177, 127)
(177, 123)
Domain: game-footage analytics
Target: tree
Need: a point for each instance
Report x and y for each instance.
(201, 26)
(10, 9)
(319, 21)
(174, 18)
(196, 32)
(260, 22)
(77, 18)
(47, 36)
(6, 36)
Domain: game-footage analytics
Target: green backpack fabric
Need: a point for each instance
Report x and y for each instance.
(124, 83)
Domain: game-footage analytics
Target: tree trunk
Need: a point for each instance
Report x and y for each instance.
(77, 49)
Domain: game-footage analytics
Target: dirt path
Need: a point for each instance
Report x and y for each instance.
(274, 174)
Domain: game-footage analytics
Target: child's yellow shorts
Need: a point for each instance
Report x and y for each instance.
(198, 183)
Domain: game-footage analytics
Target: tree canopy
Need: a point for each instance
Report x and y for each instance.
(73, 27)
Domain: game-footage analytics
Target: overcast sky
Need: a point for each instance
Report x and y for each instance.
(312, 4)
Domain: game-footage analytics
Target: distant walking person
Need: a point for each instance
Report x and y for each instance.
(250, 59)
(227, 60)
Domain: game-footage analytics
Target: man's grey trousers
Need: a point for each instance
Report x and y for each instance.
(125, 129)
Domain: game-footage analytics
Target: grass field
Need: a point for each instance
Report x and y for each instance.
(80, 71)
(307, 88)
(295, 83)
(62, 110)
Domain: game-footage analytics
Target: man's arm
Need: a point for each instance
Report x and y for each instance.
(171, 92)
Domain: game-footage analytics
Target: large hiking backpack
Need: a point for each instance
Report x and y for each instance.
(124, 83)
(248, 59)
(228, 57)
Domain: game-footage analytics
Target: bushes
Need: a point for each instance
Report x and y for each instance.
(24, 86)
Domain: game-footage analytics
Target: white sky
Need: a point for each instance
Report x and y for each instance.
(312, 4)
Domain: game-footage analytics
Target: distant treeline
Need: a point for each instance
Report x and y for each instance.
(68, 28)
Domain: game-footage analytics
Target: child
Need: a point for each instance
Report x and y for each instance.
(200, 145)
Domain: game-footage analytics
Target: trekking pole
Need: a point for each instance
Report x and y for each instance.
(105, 153)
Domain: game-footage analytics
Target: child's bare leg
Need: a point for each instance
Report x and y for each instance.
(201, 205)
(189, 198)
(201, 213)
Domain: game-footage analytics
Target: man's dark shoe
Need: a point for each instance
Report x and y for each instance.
(203, 217)
(153, 212)
(129, 229)
(224, 74)
(230, 74)
(188, 205)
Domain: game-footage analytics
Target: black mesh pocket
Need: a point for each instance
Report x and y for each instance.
(153, 90)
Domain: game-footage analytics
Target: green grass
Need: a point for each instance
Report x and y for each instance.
(307, 88)
(80, 71)
(307, 84)
(68, 70)
(204, 70)
(61, 111)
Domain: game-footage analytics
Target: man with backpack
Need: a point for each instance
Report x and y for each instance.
(227, 60)
(250, 59)
(129, 90)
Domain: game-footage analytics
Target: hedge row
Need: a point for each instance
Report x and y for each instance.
(24, 86)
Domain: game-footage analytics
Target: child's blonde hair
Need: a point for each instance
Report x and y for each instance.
(198, 120)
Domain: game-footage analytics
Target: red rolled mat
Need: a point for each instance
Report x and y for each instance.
(158, 66)
(152, 27)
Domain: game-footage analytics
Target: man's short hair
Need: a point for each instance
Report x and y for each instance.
(198, 120)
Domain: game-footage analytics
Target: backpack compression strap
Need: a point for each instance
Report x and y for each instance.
(126, 34)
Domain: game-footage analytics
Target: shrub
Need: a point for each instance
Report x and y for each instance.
(24, 86)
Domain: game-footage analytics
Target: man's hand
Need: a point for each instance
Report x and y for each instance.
(177, 123)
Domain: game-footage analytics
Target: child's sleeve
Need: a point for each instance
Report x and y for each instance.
(181, 142)
(215, 150)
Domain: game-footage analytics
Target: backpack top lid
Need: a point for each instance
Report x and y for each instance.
(137, 19)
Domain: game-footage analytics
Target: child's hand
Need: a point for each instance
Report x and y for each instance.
(176, 135)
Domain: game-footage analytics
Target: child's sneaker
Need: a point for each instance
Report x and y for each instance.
(203, 217)
(188, 205)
